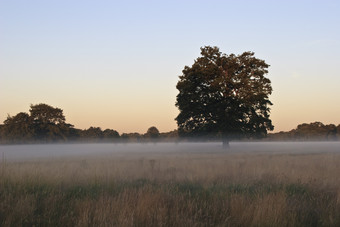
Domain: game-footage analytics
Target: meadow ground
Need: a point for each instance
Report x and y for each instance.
(212, 188)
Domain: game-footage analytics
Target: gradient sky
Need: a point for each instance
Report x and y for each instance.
(115, 64)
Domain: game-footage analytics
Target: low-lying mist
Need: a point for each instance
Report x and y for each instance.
(169, 184)
(25, 152)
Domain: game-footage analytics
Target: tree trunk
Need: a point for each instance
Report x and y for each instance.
(226, 144)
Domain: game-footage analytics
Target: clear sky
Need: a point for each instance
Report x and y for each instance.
(115, 64)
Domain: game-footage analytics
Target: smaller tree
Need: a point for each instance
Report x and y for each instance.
(152, 133)
(17, 128)
(92, 133)
(46, 114)
(110, 134)
(48, 123)
(316, 131)
(131, 137)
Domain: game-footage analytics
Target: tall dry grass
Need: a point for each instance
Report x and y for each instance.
(173, 189)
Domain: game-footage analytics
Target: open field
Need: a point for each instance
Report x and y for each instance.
(204, 187)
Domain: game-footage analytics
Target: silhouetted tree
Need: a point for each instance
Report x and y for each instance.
(49, 123)
(92, 134)
(44, 124)
(110, 134)
(311, 131)
(18, 128)
(316, 131)
(331, 132)
(46, 114)
(169, 136)
(131, 137)
(152, 133)
(224, 95)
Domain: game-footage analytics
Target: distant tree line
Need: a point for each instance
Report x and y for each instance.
(309, 132)
(47, 124)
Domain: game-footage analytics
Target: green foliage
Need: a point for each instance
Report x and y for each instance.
(224, 95)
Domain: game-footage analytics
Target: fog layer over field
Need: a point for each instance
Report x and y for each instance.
(24, 152)
(168, 184)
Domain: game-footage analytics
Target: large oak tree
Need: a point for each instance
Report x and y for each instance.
(225, 96)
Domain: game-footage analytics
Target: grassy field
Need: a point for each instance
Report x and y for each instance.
(173, 189)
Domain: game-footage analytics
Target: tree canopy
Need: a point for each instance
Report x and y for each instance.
(226, 95)
(44, 123)
(152, 133)
(46, 114)
(18, 127)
